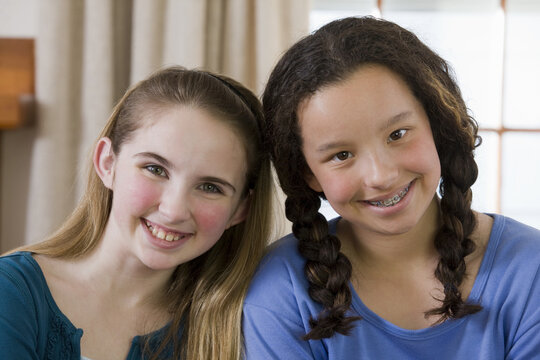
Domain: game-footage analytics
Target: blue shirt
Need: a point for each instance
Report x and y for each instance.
(31, 324)
(278, 308)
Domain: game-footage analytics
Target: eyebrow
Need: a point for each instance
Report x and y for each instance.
(155, 156)
(396, 119)
(330, 146)
(390, 123)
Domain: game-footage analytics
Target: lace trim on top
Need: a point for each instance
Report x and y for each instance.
(60, 339)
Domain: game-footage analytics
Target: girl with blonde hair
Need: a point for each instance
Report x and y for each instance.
(155, 260)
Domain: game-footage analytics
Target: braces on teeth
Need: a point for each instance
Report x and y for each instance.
(392, 201)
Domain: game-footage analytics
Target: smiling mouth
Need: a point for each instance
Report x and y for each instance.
(391, 201)
(164, 234)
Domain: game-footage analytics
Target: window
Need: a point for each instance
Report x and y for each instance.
(491, 45)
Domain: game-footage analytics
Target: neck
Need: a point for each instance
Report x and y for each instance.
(384, 251)
(118, 275)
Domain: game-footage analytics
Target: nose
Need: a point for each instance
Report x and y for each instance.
(174, 204)
(377, 170)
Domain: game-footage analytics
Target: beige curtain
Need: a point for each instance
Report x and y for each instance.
(89, 51)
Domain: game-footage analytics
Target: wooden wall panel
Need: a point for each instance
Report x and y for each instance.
(17, 83)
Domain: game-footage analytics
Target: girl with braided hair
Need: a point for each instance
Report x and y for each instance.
(365, 115)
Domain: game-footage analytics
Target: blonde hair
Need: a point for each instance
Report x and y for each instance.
(205, 295)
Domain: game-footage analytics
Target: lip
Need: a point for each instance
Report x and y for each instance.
(394, 208)
(389, 196)
(162, 243)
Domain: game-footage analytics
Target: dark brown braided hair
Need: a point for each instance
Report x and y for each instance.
(327, 57)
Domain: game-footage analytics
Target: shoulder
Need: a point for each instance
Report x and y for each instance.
(515, 240)
(277, 308)
(17, 260)
(20, 272)
(22, 285)
(511, 266)
(282, 267)
(513, 248)
(279, 285)
(30, 322)
(513, 285)
(20, 304)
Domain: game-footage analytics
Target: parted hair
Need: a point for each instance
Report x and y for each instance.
(205, 295)
(327, 57)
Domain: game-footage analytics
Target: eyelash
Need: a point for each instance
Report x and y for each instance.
(336, 156)
(400, 133)
(215, 189)
(156, 170)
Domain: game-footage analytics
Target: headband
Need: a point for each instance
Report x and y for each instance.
(239, 94)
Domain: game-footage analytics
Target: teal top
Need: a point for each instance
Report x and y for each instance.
(31, 324)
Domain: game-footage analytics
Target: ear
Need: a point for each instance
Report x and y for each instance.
(313, 183)
(104, 161)
(241, 211)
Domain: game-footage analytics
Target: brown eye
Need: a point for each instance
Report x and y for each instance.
(342, 156)
(396, 135)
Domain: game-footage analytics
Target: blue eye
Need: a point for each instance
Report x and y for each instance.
(211, 188)
(396, 135)
(342, 156)
(156, 170)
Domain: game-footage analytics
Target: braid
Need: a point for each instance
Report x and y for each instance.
(453, 240)
(326, 57)
(327, 270)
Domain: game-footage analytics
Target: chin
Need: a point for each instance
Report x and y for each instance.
(396, 231)
(159, 262)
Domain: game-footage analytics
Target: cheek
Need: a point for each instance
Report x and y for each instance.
(137, 194)
(423, 159)
(338, 187)
(211, 218)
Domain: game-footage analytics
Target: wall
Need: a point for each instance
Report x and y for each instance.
(18, 18)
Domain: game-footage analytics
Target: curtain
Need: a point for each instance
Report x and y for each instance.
(89, 51)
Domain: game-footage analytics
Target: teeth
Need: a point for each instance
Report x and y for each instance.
(392, 201)
(161, 234)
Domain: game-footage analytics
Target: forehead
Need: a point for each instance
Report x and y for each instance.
(372, 88)
(168, 117)
(187, 132)
(365, 104)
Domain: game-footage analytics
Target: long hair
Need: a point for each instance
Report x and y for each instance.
(327, 57)
(205, 295)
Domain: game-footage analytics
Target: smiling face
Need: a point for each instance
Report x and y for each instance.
(368, 143)
(178, 183)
